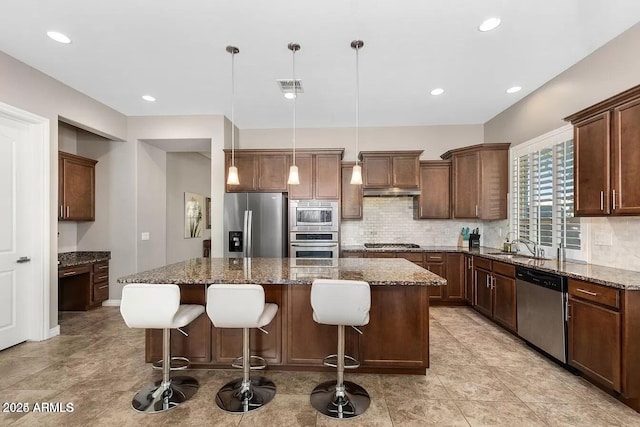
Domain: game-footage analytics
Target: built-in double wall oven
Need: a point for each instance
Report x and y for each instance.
(313, 229)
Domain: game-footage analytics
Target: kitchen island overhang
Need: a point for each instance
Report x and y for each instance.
(396, 340)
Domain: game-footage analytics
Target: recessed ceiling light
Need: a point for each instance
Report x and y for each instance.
(489, 24)
(289, 95)
(59, 37)
(148, 98)
(437, 91)
(514, 89)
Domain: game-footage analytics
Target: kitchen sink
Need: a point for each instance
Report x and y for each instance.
(518, 256)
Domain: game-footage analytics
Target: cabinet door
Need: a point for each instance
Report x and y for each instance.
(246, 164)
(466, 185)
(273, 172)
(78, 190)
(455, 277)
(436, 292)
(494, 166)
(327, 176)
(376, 172)
(468, 279)
(592, 165)
(351, 196)
(594, 342)
(435, 190)
(405, 171)
(626, 159)
(483, 294)
(304, 190)
(504, 307)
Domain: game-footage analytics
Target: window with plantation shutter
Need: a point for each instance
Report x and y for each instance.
(542, 194)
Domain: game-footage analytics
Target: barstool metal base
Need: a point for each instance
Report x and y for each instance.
(231, 398)
(356, 400)
(152, 399)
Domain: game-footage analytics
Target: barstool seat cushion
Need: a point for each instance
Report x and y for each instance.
(340, 302)
(239, 306)
(156, 306)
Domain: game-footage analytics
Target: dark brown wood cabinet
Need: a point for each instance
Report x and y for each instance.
(468, 279)
(350, 194)
(434, 201)
(82, 287)
(480, 181)
(454, 273)
(435, 263)
(76, 187)
(607, 156)
(495, 291)
(387, 169)
(595, 332)
(259, 170)
(319, 174)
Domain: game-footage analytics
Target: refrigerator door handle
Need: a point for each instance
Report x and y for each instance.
(245, 231)
(250, 234)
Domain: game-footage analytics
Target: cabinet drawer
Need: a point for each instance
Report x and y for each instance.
(411, 256)
(380, 255)
(596, 293)
(504, 269)
(435, 257)
(72, 271)
(100, 267)
(100, 291)
(482, 263)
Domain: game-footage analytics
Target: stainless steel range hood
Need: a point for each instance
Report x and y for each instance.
(390, 192)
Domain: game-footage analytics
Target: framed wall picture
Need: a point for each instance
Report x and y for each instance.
(193, 215)
(207, 212)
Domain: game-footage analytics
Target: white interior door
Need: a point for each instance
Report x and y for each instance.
(16, 237)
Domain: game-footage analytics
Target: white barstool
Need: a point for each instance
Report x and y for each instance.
(157, 306)
(242, 306)
(342, 303)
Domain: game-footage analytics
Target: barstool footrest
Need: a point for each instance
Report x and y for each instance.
(182, 363)
(353, 402)
(237, 363)
(328, 361)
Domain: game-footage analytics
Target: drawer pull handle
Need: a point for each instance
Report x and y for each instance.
(103, 267)
(103, 286)
(69, 273)
(593, 294)
(102, 277)
(433, 258)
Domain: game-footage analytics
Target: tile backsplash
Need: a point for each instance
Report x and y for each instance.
(390, 220)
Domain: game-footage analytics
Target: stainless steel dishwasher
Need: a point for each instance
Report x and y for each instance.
(542, 299)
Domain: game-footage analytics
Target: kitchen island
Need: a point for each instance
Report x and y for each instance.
(396, 340)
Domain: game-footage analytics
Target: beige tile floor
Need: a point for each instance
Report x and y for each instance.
(479, 376)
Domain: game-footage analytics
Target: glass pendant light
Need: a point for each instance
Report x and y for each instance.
(294, 179)
(232, 175)
(356, 174)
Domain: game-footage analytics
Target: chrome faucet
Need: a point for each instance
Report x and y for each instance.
(535, 249)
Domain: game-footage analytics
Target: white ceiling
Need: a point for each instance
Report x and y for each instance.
(175, 50)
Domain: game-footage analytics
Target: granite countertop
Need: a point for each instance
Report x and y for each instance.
(287, 271)
(72, 259)
(607, 276)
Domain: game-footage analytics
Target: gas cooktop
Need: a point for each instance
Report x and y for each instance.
(391, 245)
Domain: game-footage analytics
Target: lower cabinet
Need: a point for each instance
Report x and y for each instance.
(595, 332)
(495, 291)
(83, 287)
(468, 279)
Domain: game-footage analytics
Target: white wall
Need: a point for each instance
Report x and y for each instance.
(611, 69)
(434, 140)
(26, 88)
(186, 172)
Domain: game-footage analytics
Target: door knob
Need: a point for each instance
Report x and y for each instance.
(23, 259)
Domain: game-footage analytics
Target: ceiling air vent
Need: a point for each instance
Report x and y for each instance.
(286, 85)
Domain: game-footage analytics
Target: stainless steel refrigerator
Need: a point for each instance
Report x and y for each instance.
(255, 225)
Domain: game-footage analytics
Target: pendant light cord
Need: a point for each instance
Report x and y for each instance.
(233, 86)
(357, 104)
(295, 96)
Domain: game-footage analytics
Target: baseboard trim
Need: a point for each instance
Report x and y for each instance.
(111, 303)
(53, 332)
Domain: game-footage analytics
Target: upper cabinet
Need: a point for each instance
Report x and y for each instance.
(480, 181)
(387, 169)
(607, 156)
(351, 194)
(319, 173)
(259, 170)
(76, 187)
(434, 201)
